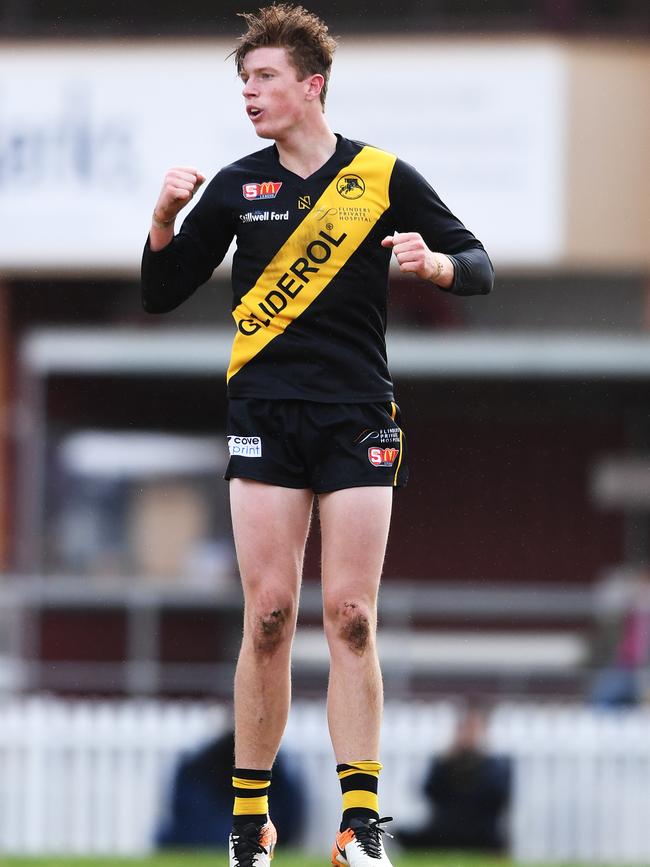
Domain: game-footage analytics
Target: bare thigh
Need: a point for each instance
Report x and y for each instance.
(354, 524)
(270, 526)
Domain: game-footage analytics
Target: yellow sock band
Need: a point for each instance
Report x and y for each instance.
(240, 783)
(359, 798)
(356, 769)
(251, 806)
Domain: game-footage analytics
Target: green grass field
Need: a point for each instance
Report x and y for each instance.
(284, 859)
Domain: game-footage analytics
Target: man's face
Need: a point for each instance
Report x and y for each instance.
(276, 102)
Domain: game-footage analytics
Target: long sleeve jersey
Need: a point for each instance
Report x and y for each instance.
(309, 274)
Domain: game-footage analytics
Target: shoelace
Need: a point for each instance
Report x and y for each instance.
(246, 845)
(369, 836)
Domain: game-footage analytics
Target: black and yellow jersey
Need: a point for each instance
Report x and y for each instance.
(309, 274)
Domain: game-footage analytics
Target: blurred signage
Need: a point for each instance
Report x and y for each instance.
(622, 482)
(87, 131)
(484, 121)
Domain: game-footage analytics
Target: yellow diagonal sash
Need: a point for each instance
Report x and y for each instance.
(313, 254)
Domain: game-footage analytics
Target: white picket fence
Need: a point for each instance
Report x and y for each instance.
(90, 778)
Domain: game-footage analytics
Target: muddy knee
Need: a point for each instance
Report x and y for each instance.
(354, 627)
(271, 630)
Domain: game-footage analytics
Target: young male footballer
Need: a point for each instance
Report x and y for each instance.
(311, 406)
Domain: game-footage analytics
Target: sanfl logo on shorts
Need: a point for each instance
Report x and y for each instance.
(379, 457)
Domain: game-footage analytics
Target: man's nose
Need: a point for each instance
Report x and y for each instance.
(249, 90)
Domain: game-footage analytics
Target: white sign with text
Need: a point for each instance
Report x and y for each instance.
(87, 131)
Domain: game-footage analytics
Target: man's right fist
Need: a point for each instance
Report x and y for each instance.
(179, 186)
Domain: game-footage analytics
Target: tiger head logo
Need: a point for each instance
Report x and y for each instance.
(351, 187)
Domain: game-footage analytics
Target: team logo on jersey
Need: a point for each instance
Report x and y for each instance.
(265, 190)
(351, 186)
(245, 447)
(379, 457)
(304, 203)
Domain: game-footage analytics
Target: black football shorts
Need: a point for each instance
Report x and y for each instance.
(320, 446)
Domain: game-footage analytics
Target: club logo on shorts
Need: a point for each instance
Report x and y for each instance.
(245, 447)
(265, 190)
(379, 457)
(386, 436)
(351, 187)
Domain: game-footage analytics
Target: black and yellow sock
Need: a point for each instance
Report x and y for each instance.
(359, 787)
(251, 788)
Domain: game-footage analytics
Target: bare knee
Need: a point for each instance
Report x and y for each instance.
(351, 624)
(270, 623)
(355, 629)
(271, 630)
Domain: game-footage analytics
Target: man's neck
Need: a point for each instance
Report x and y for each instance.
(304, 152)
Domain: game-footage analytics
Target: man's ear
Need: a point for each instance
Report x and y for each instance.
(315, 83)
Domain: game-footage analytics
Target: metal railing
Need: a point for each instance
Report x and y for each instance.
(514, 657)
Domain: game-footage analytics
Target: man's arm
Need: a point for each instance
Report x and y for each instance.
(178, 189)
(430, 242)
(174, 266)
(414, 257)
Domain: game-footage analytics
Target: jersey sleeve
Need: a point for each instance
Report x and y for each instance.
(416, 207)
(171, 275)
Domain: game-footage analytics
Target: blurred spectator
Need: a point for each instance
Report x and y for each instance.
(621, 648)
(469, 794)
(200, 804)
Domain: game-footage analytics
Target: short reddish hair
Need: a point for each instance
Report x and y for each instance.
(304, 35)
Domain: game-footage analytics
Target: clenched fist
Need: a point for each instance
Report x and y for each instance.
(414, 257)
(179, 186)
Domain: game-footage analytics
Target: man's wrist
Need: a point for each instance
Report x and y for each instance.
(161, 224)
(438, 268)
